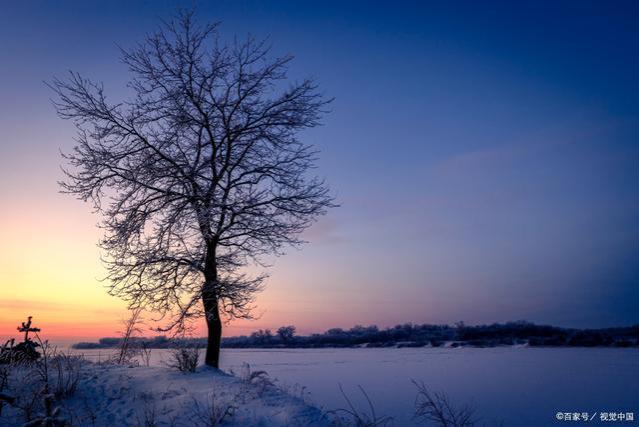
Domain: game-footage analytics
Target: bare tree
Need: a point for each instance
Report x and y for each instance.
(286, 333)
(199, 174)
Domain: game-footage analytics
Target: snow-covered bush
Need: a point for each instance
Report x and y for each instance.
(5, 398)
(212, 412)
(183, 359)
(32, 391)
(50, 417)
(65, 374)
(259, 379)
(59, 373)
(149, 415)
(23, 352)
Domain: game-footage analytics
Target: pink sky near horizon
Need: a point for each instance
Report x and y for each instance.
(51, 269)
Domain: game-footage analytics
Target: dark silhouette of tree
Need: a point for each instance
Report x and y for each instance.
(286, 333)
(26, 328)
(199, 174)
(263, 336)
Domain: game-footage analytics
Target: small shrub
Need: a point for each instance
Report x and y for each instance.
(438, 409)
(66, 374)
(145, 353)
(297, 390)
(259, 379)
(184, 359)
(148, 417)
(359, 418)
(5, 372)
(51, 416)
(211, 413)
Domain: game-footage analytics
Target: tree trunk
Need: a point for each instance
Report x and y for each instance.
(214, 324)
(212, 309)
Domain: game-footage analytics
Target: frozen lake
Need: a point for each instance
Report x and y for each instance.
(519, 386)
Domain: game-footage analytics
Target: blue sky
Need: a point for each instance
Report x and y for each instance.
(484, 155)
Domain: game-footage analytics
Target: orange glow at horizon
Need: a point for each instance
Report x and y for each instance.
(51, 268)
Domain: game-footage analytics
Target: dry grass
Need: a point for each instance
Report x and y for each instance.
(358, 418)
(438, 409)
(211, 413)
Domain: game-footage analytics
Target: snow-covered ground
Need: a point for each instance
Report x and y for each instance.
(113, 395)
(520, 386)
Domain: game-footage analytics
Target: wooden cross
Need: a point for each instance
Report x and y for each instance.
(26, 328)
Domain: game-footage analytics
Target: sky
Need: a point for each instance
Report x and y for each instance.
(484, 156)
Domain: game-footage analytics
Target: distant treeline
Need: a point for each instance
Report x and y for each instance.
(407, 335)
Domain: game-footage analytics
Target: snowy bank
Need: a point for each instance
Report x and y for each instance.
(114, 395)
